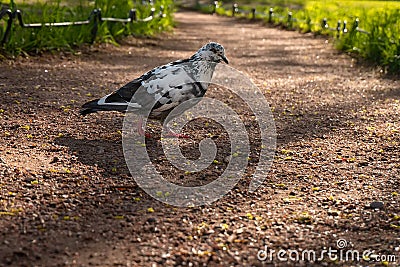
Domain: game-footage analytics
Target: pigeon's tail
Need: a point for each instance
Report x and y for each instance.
(103, 105)
(90, 107)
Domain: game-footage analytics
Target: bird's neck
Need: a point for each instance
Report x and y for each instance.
(203, 70)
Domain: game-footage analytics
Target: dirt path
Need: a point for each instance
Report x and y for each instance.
(67, 198)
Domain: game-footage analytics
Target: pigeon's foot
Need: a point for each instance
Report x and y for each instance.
(142, 132)
(140, 129)
(172, 134)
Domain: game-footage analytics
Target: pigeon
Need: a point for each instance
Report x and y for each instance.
(157, 92)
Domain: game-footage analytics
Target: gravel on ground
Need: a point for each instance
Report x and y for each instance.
(68, 199)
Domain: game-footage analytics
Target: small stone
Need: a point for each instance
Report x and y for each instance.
(165, 255)
(151, 220)
(54, 160)
(363, 163)
(231, 238)
(239, 231)
(227, 159)
(333, 212)
(376, 205)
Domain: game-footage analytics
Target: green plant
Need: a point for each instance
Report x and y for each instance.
(381, 19)
(35, 40)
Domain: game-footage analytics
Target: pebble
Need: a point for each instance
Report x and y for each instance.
(363, 163)
(376, 205)
(239, 231)
(151, 220)
(333, 212)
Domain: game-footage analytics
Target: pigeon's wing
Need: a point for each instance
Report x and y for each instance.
(124, 94)
(171, 87)
(141, 92)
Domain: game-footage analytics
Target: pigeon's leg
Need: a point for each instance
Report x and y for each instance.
(141, 131)
(173, 134)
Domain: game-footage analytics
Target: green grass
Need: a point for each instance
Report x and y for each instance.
(28, 40)
(293, 4)
(380, 18)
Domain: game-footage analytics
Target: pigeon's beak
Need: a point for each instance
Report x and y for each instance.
(224, 59)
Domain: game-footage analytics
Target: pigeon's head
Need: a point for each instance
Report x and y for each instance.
(213, 52)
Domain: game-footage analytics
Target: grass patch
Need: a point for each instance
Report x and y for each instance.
(381, 19)
(35, 40)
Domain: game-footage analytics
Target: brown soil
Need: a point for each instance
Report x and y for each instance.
(67, 198)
